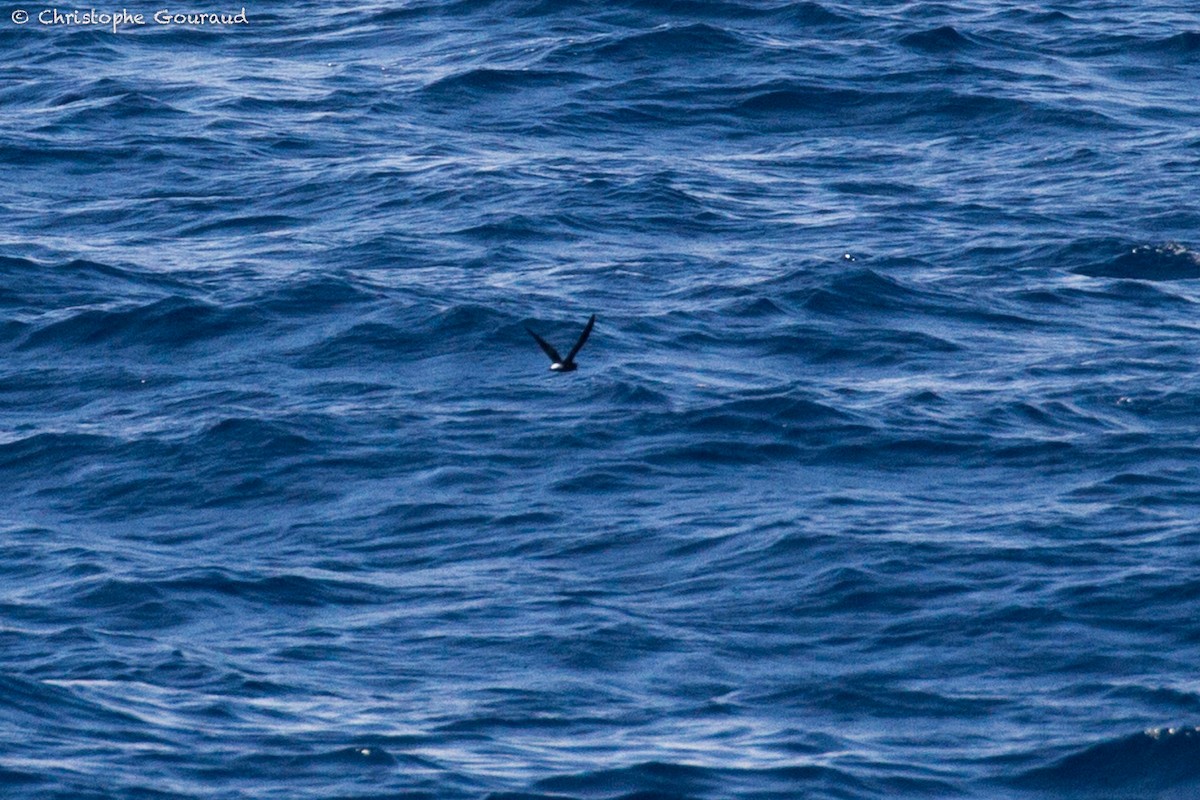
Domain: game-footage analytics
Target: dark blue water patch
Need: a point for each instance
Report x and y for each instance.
(651, 779)
(1136, 295)
(27, 284)
(421, 518)
(883, 451)
(10, 331)
(31, 700)
(877, 695)
(613, 478)
(413, 330)
(798, 104)
(871, 347)
(367, 770)
(121, 107)
(523, 723)
(807, 14)
(649, 13)
(141, 604)
(1167, 262)
(14, 778)
(353, 344)
(863, 293)
(482, 83)
(354, 756)
(167, 323)
(1173, 702)
(316, 295)
(230, 224)
(747, 431)
(689, 41)
(1159, 760)
(850, 288)
(790, 99)
(876, 188)
(315, 102)
(1054, 418)
(1185, 43)
(755, 308)
(414, 11)
(257, 437)
(72, 160)
(679, 780)
(1037, 16)
(659, 194)
(627, 394)
(779, 409)
(51, 452)
(508, 227)
(130, 605)
(943, 39)
(291, 590)
(1179, 48)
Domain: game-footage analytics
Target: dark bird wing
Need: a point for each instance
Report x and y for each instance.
(582, 338)
(546, 348)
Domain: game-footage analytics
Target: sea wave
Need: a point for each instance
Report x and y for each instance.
(876, 478)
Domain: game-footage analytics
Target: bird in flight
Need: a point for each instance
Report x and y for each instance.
(557, 362)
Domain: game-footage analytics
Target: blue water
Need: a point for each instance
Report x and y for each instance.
(879, 476)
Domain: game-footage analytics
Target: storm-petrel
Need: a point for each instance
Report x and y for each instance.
(557, 362)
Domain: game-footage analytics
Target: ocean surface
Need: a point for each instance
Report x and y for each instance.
(879, 477)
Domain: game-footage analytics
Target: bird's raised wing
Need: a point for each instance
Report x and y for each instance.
(587, 331)
(546, 348)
